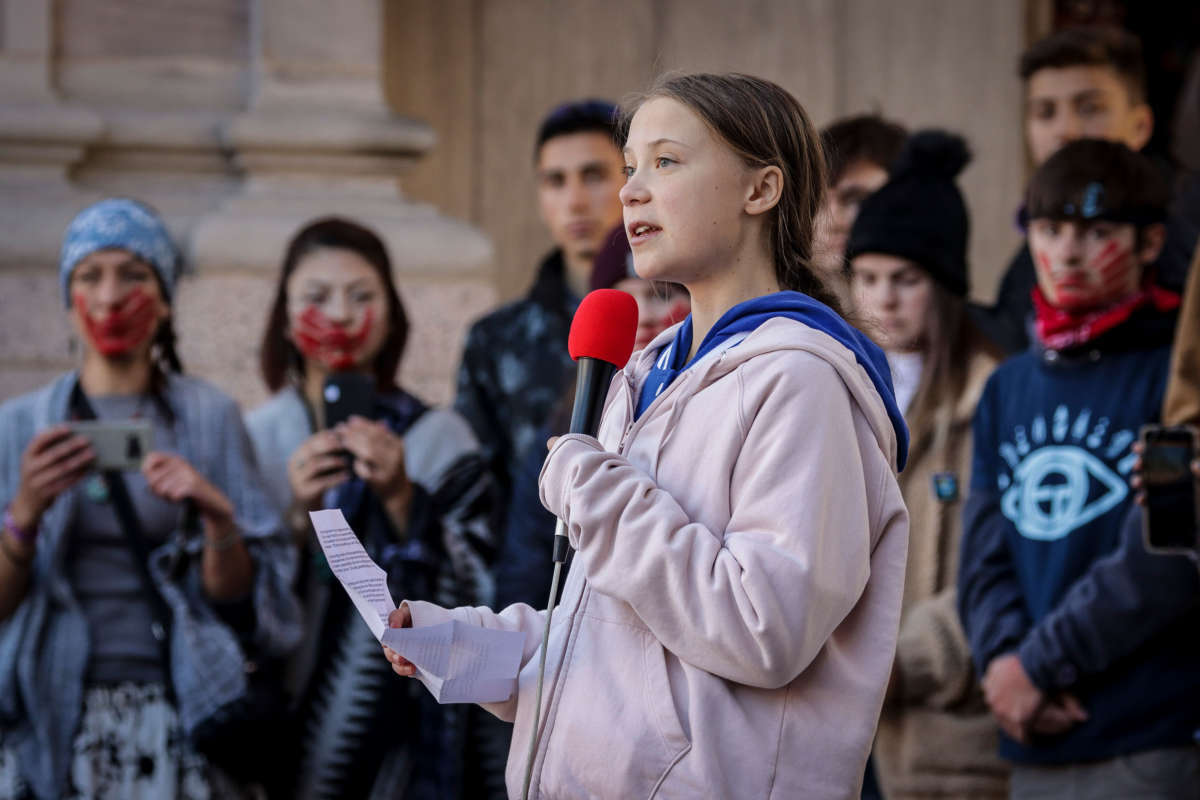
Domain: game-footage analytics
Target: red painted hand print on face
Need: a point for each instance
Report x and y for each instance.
(334, 346)
(124, 328)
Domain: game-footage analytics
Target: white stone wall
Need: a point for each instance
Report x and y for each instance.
(240, 120)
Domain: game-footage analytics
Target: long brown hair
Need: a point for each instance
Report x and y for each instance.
(766, 126)
(952, 339)
(279, 358)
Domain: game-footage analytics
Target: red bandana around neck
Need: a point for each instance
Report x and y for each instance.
(319, 339)
(1059, 329)
(124, 328)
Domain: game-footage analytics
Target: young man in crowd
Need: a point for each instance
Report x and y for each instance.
(515, 363)
(858, 153)
(1081, 83)
(1086, 642)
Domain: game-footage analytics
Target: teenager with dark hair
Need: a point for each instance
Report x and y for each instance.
(859, 151)
(1081, 82)
(118, 644)
(908, 257)
(515, 359)
(1086, 643)
(411, 482)
(729, 620)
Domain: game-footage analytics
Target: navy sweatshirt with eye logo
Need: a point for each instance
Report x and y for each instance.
(1052, 566)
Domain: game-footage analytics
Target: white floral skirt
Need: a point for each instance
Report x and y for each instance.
(130, 746)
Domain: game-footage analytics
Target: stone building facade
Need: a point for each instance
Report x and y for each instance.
(239, 120)
(242, 119)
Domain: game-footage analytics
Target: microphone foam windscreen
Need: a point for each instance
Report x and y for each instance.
(604, 327)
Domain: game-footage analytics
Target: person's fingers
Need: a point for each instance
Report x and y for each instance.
(326, 482)
(400, 665)
(551, 442)
(1196, 468)
(78, 462)
(323, 443)
(162, 483)
(1136, 482)
(400, 617)
(62, 449)
(357, 442)
(49, 437)
(364, 469)
(174, 488)
(1138, 448)
(1070, 703)
(319, 465)
(56, 486)
(156, 462)
(1053, 719)
(160, 471)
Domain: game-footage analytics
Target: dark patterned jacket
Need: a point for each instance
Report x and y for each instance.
(359, 732)
(515, 368)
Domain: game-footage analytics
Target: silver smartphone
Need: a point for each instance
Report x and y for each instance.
(118, 444)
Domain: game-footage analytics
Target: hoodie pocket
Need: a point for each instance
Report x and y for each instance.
(616, 731)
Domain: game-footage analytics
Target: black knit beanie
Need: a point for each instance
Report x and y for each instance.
(919, 214)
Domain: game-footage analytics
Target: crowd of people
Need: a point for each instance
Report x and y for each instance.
(841, 533)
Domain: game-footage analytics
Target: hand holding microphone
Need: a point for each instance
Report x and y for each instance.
(601, 341)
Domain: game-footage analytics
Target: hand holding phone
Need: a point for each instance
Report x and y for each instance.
(54, 461)
(1169, 506)
(316, 466)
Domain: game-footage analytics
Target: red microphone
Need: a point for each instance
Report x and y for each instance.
(601, 340)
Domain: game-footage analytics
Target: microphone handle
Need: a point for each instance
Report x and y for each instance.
(591, 387)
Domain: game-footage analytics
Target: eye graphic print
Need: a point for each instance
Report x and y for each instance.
(1057, 489)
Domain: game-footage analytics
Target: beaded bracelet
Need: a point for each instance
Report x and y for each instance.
(20, 534)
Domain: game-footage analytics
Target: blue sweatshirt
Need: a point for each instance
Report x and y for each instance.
(745, 317)
(1051, 563)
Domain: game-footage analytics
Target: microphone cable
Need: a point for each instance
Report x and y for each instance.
(560, 535)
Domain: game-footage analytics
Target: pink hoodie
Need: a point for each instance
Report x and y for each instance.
(729, 621)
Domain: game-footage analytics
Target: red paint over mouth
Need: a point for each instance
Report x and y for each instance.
(320, 339)
(124, 328)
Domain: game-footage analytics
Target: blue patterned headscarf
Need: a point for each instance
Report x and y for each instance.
(119, 223)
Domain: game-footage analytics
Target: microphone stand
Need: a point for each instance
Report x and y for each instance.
(591, 386)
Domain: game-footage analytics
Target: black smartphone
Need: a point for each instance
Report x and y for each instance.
(1169, 515)
(348, 394)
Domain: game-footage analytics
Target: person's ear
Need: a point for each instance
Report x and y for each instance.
(765, 190)
(1142, 126)
(1150, 243)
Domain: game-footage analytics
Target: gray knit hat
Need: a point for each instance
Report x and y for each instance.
(124, 224)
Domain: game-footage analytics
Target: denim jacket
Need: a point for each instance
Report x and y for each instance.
(44, 645)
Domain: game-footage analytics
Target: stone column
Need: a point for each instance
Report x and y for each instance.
(317, 139)
(41, 138)
(239, 120)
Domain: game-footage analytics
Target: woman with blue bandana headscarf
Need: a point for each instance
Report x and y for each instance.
(126, 598)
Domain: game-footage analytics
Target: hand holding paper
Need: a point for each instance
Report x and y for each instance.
(458, 663)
